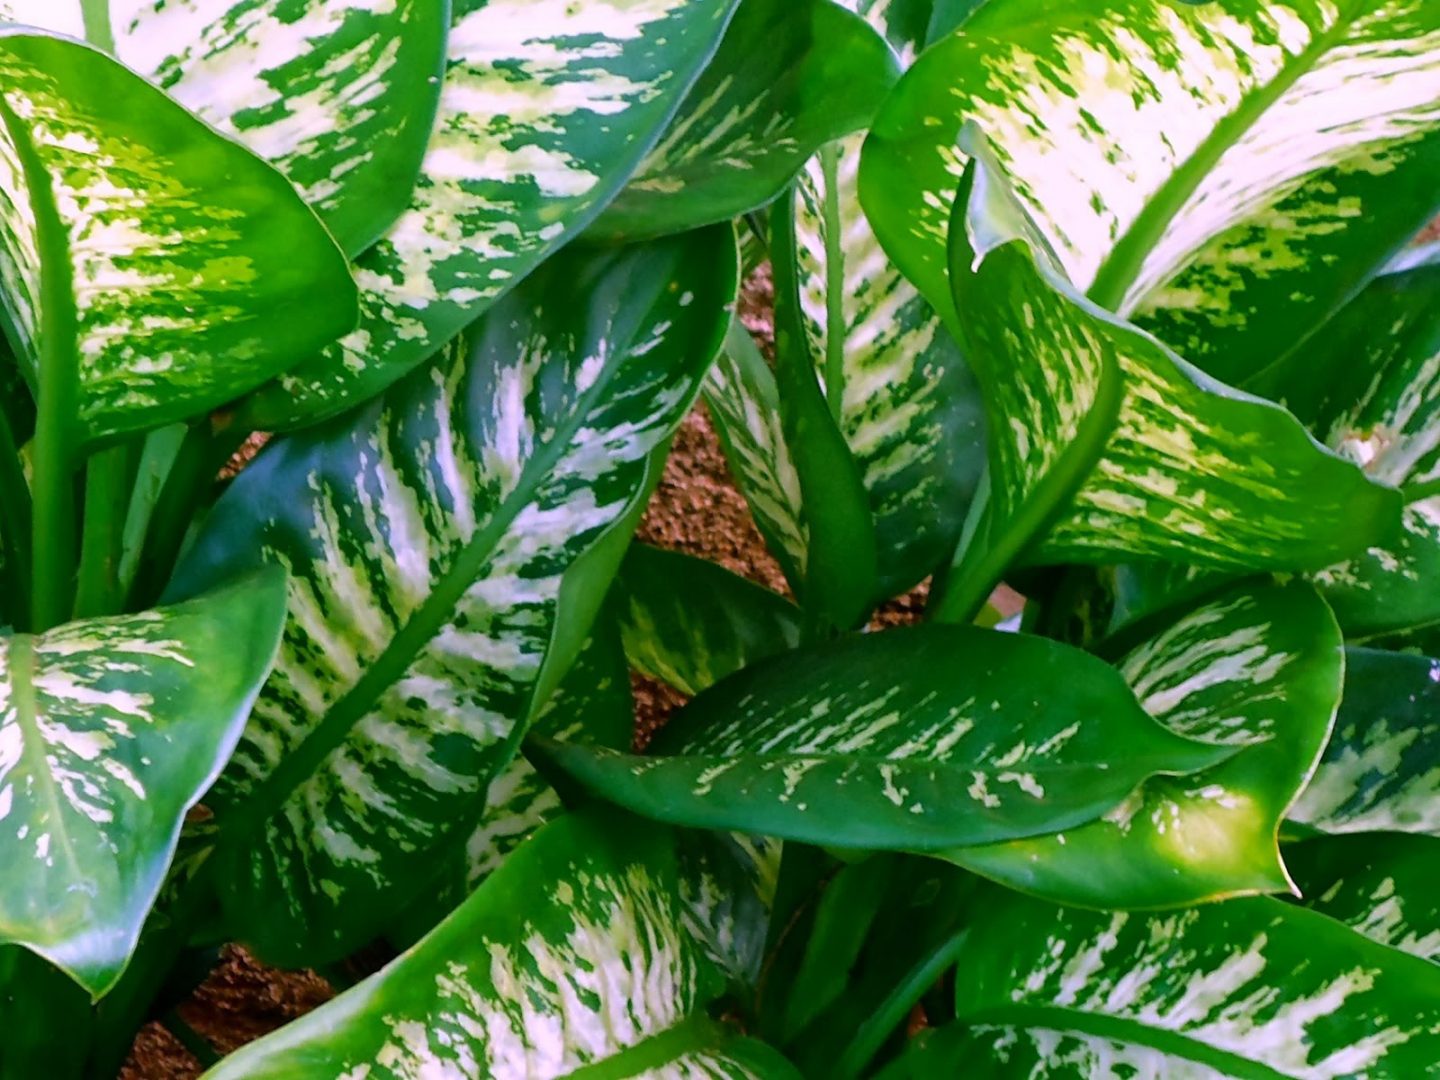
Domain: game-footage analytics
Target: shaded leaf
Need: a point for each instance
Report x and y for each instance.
(1195, 167)
(110, 730)
(1261, 668)
(915, 739)
(573, 956)
(790, 76)
(449, 545)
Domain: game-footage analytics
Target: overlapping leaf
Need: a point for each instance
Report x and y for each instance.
(110, 730)
(1381, 769)
(1247, 989)
(151, 269)
(1197, 167)
(690, 623)
(546, 110)
(572, 958)
(1191, 470)
(1382, 885)
(790, 76)
(1261, 667)
(914, 739)
(449, 545)
(338, 95)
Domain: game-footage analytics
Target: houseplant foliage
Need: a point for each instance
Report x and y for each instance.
(1114, 303)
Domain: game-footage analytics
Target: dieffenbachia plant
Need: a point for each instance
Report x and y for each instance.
(1113, 303)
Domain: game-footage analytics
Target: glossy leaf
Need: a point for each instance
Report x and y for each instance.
(572, 957)
(690, 623)
(547, 108)
(1382, 885)
(592, 705)
(790, 76)
(1195, 167)
(110, 730)
(1248, 989)
(449, 545)
(1261, 668)
(338, 95)
(152, 270)
(915, 739)
(1381, 769)
(1192, 471)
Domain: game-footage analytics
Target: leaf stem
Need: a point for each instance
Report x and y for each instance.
(96, 16)
(15, 523)
(835, 326)
(54, 523)
(108, 477)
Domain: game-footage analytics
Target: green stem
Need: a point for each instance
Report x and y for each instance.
(834, 284)
(96, 15)
(107, 497)
(15, 523)
(191, 1039)
(892, 1011)
(56, 436)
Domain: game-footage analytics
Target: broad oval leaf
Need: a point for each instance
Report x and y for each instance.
(1196, 167)
(1191, 471)
(1381, 769)
(914, 739)
(1380, 884)
(573, 958)
(1249, 989)
(110, 730)
(1261, 668)
(449, 545)
(547, 108)
(339, 95)
(790, 76)
(690, 623)
(171, 269)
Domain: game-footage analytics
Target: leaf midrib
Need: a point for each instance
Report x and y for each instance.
(1120, 269)
(1122, 1029)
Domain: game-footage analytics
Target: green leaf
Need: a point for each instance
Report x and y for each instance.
(110, 730)
(1253, 989)
(591, 705)
(690, 623)
(154, 270)
(548, 107)
(1195, 167)
(572, 960)
(339, 95)
(1260, 668)
(916, 739)
(449, 546)
(1381, 884)
(911, 25)
(1381, 769)
(790, 76)
(1193, 471)
(902, 397)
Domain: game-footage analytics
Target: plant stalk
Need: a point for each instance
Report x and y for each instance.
(15, 524)
(107, 497)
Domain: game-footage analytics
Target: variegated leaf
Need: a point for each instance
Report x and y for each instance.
(110, 730)
(547, 108)
(911, 25)
(690, 623)
(1199, 168)
(907, 404)
(916, 739)
(171, 269)
(744, 404)
(591, 705)
(1381, 769)
(1261, 668)
(1247, 989)
(572, 959)
(790, 76)
(338, 95)
(449, 545)
(1381, 884)
(1188, 470)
